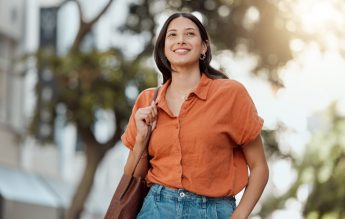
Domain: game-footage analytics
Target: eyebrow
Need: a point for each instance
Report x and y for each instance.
(189, 28)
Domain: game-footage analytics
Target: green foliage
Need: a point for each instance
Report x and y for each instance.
(328, 194)
(322, 169)
(86, 82)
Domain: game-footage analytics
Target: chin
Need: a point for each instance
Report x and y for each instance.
(183, 62)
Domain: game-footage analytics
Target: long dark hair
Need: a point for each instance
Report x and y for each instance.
(164, 65)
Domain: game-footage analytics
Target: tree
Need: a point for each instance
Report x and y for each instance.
(88, 81)
(265, 29)
(320, 169)
(85, 82)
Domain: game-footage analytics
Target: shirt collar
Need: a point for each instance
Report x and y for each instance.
(200, 91)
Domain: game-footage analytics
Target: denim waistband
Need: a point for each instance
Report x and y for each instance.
(182, 195)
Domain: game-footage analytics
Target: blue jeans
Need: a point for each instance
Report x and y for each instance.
(162, 202)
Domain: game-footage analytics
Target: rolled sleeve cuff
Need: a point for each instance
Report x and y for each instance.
(127, 142)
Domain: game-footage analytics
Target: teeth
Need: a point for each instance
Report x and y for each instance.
(181, 50)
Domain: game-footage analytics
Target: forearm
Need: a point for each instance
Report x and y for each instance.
(135, 154)
(257, 181)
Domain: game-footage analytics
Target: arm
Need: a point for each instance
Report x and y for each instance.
(144, 117)
(133, 154)
(258, 178)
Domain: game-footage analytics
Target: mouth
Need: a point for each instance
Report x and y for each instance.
(181, 51)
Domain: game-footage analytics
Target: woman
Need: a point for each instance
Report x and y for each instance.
(206, 132)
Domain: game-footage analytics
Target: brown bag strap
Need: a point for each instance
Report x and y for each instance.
(147, 139)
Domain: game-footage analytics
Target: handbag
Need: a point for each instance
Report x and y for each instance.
(131, 190)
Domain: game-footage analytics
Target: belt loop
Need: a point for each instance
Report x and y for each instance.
(204, 201)
(158, 193)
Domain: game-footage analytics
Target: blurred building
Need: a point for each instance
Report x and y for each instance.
(12, 33)
(22, 194)
(38, 181)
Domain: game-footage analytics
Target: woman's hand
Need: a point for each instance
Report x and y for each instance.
(145, 117)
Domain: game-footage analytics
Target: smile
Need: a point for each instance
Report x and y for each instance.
(181, 51)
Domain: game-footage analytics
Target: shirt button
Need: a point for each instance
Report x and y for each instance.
(182, 194)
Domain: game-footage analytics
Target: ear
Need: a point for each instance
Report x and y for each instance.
(204, 46)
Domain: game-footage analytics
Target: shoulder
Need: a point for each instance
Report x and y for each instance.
(145, 97)
(228, 86)
(147, 93)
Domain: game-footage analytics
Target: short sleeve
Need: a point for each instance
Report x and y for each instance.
(144, 99)
(245, 123)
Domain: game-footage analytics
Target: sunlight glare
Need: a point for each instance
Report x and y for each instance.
(296, 45)
(303, 192)
(293, 205)
(283, 176)
(286, 214)
(315, 15)
(251, 17)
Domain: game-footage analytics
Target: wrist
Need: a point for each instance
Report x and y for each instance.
(238, 215)
(139, 139)
(144, 155)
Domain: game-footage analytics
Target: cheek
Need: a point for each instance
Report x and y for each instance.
(167, 50)
(167, 44)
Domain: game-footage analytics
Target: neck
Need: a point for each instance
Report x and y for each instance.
(184, 82)
(184, 79)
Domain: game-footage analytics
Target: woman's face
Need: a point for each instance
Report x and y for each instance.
(183, 44)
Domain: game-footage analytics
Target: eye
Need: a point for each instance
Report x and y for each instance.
(171, 34)
(190, 34)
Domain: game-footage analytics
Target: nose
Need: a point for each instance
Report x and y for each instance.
(181, 39)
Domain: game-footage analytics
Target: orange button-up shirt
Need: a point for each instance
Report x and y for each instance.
(200, 149)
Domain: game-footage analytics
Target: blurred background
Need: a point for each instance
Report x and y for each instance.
(70, 72)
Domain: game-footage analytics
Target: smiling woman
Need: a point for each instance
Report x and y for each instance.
(199, 115)
(199, 31)
(183, 44)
